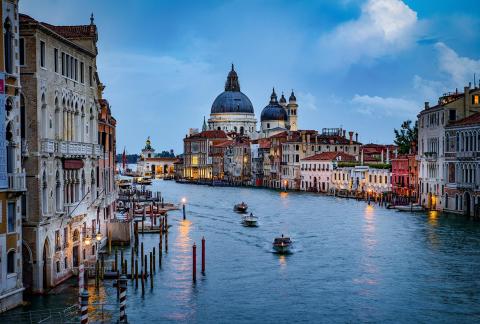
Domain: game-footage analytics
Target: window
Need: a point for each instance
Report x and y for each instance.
(57, 240)
(11, 217)
(55, 59)
(11, 262)
(8, 46)
(81, 72)
(476, 100)
(452, 115)
(58, 266)
(90, 76)
(72, 67)
(63, 64)
(65, 237)
(65, 262)
(76, 70)
(67, 65)
(42, 54)
(22, 51)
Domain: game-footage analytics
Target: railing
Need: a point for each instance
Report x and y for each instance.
(430, 156)
(76, 209)
(16, 182)
(70, 148)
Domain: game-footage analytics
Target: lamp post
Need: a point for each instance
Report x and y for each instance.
(184, 201)
(285, 184)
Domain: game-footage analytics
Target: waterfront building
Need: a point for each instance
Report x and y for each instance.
(60, 99)
(178, 167)
(405, 175)
(378, 153)
(12, 175)
(151, 165)
(106, 163)
(217, 153)
(237, 161)
(260, 150)
(431, 140)
(316, 171)
(272, 164)
(360, 180)
(462, 166)
(378, 181)
(197, 159)
(333, 140)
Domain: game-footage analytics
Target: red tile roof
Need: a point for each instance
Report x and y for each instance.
(331, 156)
(470, 120)
(70, 32)
(222, 144)
(209, 134)
(264, 143)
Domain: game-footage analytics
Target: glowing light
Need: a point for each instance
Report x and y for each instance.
(184, 200)
(98, 237)
(87, 240)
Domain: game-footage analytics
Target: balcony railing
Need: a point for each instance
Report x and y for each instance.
(16, 182)
(70, 148)
(76, 209)
(430, 156)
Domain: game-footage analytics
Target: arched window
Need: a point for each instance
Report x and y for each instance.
(58, 122)
(10, 148)
(44, 193)
(58, 193)
(8, 46)
(44, 122)
(11, 261)
(92, 186)
(22, 117)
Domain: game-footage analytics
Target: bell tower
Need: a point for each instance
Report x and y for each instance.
(292, 108)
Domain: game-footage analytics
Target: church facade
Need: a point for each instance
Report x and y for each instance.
(232, 111)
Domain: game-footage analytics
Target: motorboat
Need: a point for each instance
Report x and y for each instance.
(143, 181)
(124, 184)
(240, 208)
(410, 208)
(282, 244)
(250, 220)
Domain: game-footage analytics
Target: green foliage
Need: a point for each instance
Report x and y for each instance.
(405, 136)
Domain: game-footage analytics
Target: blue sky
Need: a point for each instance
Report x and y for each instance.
(362, 65)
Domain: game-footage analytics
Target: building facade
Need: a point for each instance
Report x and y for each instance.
(237, 161)
(462, 166)
(60, 99)
(431, 140)
(12, 175)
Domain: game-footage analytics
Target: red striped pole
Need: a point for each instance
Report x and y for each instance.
(122, 282)
(84, 307)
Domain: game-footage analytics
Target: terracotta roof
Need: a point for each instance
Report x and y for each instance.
(470, 120)
(70, 32)
(333, 139)
(331, 156)
(160, 159)
(209, 134)
(222, 144)
(264, 143)
(280, 135)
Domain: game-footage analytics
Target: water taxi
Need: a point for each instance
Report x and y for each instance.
(250, 220)
(410, 208)
(124, 183)
(240, 208)
(282, 244)
(143, 181)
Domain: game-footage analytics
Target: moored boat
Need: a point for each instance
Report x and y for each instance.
(124, 184)
(282, 244)
(250, 220)
(241, 208)
(410, 208)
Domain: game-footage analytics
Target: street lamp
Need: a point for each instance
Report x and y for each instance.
(184, 201)
(285, 184)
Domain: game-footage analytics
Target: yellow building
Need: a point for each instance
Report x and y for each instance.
(12, 177)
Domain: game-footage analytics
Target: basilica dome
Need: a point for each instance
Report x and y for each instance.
(274, 111)
(232, 100)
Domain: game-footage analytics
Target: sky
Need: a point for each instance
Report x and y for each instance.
(364, 65)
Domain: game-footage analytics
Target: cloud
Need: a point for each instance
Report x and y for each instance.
(459, 68)
(385, 106)
(383, 28)
(428, 90)
(307, 101)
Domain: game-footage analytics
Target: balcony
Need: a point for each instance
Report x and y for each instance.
(430, 156)
(70, 148)
(76, 209)
(16, 182)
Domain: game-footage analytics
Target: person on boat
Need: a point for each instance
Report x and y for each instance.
(251, 214)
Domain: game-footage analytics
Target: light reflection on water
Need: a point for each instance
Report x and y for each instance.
(351, 262)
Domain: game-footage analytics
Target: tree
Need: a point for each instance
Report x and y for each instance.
(405, 136)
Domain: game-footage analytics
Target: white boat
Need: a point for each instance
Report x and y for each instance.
(410, 208)
(250, 220)
(282, 244)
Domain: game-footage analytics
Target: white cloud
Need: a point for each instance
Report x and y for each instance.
(428, 90)
(386, 106)
(383, 28)
(459, 68)
(307, 101)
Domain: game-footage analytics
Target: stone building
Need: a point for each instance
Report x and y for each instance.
(237, 161)
(431, 141)
(12, 175)
(151, 165)
(107, 139)
(462, 166)
(60, 99)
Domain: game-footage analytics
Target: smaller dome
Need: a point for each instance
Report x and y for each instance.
(282, 99)
(273, 111)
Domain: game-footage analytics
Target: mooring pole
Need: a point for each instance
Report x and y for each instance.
(84, 307)
(183, 207)
(203, 255)
(122, 282)
(194, 265)
(151, 271)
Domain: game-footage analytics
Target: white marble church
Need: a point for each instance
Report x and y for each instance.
(232, 111)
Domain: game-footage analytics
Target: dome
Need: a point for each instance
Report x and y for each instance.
(274, 111)
(232, 100)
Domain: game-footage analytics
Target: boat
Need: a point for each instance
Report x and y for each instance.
(410, 208)
(250, 220)
(240, 208)
(282, 244)
(124, 184)
(143, 181)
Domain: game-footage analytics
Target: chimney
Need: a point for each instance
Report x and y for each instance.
(466, 92)
(427, 105)
(381, 157)
(388, 155)
(361, 157)
(356, 137)
(344, 133)
(350, 136)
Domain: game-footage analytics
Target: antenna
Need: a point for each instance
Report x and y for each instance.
(474, 81)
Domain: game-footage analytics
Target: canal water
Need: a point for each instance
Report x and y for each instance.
(351, 263)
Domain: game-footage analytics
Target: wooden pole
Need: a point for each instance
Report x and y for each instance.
(121, 261)
(145, 272)
(203, 255)
(194, 265)
(136, 273)
(141, 254)
(160, 255)
(154, 263)
(115, 265)
(166, 242)
(131, 264)
(143, 282)
(151, 270)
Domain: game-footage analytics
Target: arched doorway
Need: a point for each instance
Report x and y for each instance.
(27, 267)
(47, 267)
(467, 204)
(315, 184)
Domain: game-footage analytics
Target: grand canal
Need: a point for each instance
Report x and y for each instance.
(352, 262)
